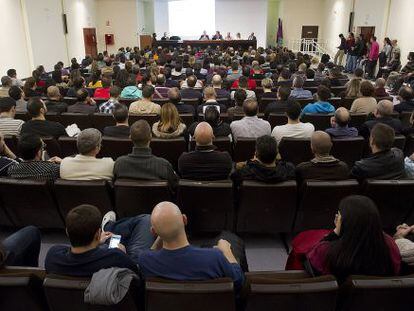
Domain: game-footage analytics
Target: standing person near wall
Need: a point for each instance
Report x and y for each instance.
(341, 51)
(372, 58)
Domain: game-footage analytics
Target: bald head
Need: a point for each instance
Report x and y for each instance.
(203, 134)
(321, 143)
(216, 81)
(385, 108)
(167, 221)
(342, 116)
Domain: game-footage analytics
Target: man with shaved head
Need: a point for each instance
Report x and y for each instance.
(323, 166)
(173, 257)
(205, 163)
(383, 114)
(340, 125)
(217, 83)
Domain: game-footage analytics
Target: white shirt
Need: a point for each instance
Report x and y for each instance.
(300, 130)
(86, 168)
(250, 127)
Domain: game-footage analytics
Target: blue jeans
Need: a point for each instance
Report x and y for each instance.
(352, 63)
(135, 232)
(23, 247)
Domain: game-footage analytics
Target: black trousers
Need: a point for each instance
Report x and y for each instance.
(371, 65)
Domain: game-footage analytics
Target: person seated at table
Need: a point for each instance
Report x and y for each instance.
(322, 105)
(252, 37)
(229, 37)
(204, 36)
(121, 129)
(165, 37)
(340, 125)
(217, 36)
(238, 36)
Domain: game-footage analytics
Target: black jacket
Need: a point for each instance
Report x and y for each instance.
(221, 130)
(394, 123)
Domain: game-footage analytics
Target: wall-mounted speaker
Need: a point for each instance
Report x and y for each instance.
(65, 24)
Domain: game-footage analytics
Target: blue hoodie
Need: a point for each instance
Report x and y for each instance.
(318, 107)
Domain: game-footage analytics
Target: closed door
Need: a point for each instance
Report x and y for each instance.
(367, 32)
(89, 38)
(309, 33)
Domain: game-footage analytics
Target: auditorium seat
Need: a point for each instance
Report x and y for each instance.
(290, 291)
(276, 119)
(191, 101)
(357, 119)
(82, 120)
(348, 150)
(266, 208)
(150, 118)
(319, 120)
(187, 119)
(22, 116)
(304, 101)
(169, 149)
(347, 102)
(244, 149)
(394, 199)
(160, 101)
(336, 90)
(222, 144)
(362, 293)
(135, 197)
(115, 147)
(127, 101)
(67, 146)
(335, 101)
(36, 207)
(399, 141)
(70, 100)
(163, 295)
(71, 193)
(67, 294)
(405, 118)
(409, 145)
(5, 220)
(11, 142)
(264, 102)
(53, 116)
(208, 205)
(52, 147)
(319, 202)
(295, 150)
(224, 101)
(21, 289)
(102, 120)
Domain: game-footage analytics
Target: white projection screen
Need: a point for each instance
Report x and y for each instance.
(186, 21)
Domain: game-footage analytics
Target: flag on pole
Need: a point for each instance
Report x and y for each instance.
(280, 34)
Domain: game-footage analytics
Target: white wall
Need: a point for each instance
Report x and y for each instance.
(123, 24)
(161, 19)
(242, 16)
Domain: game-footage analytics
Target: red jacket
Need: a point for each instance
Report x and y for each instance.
(102, 92)
(251, 84)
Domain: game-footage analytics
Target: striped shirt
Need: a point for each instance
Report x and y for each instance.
(10, 126)
(37, 170)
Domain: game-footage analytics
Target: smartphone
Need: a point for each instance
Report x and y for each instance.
(115, 240)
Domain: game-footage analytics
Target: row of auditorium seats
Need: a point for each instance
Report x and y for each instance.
(33, 290)
(253, 208)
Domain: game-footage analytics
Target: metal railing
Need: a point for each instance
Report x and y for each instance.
(310, 46)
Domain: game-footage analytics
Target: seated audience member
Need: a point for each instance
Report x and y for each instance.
(6, 84)
(31, 149)
(210, 99)
(323, 166)
(21, 248)
(95, 80)
(244, 86)
(251, 83)
(77, 84)
(197, 83)
(85, 165)
(7, 157)
(109, 106)
(367, 103)
(386, 162)
(54, 101)
(175, 98)
(264, 166)
(169, 81)
(340, 125)
(30, 88)
(103, 92)
(85, 103)
(38, 125)
(170, 125)
(267, 85)
(234, 73)
(13, 75)
(404, 240)
(251, 126)
(294, 128)
(239, 98)
(121, 128)
(88, 253)
(212, 117)
(190, 92)
(409, 166)
(141, 164)
(322, 105)
(145, 105)
(298, 92)
(320, 72)
(8, 124)
(357, 246)
(17, 94)
(383, 114)
(175, 258)
(380, 88)
(217, 83)
(353, 89)
(131, 91)
(161, 91)
(281, 103)
(409, 67)
(406, 97)
(205, 163)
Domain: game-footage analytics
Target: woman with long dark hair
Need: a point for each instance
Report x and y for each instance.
(357, 245)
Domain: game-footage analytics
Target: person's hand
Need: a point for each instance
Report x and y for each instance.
(56, 160)
(337, 222)
(224, 246)
(91, 101)
(104, 236)
(412, 119)
(402, 231)
(122, 247)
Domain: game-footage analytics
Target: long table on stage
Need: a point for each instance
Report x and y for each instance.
(243, 44)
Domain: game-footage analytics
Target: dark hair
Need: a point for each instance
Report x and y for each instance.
(212, 116)
(383, 136)
(406, 93)
(293, 110)
(243, 82)
(82, 94)
(34, 106)
(106, 81)
(359, 72)
(57, 76)
(246, 72)
(140, 133)
(28, 85)
(250, 108)
(147, 91)
(323, 93)
(284, 92)
(82, 223)
(11, 73)
(78, 83)
(367, 89)
(15, 92)
(115, 91)
(120, 113)
(361, 248)
(266, 149)
(6, 104)
(239, 97)
(28, 146)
